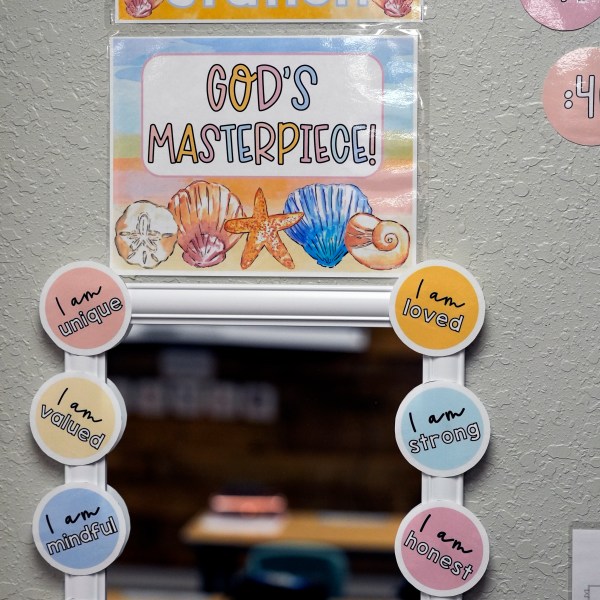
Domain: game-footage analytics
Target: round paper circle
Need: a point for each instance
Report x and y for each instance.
(442, 429)
(564, 15)
(437, 308)
(119, 500)
(442, 548)
(571, 96)
(76, 419)
(79, 529)
(85, 308)
(121, 401)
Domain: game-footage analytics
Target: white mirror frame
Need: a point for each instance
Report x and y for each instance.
(238, 304)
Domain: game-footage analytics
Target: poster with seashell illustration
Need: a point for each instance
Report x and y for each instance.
(263, 156)
(194, 11)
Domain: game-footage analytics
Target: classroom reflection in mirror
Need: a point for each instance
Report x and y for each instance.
(261, 463)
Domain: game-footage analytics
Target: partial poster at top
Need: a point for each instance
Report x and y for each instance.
(263, 156)
(192, 11)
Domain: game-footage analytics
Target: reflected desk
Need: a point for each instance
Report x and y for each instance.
(221, 542)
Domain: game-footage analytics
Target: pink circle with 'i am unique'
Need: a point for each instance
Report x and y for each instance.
(563, 15)
(572, 96)
(85, 308)
(442, 550)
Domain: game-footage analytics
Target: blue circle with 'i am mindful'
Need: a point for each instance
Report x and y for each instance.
(79, 529)
(442, 429)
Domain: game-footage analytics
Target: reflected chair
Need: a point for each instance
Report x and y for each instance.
(311, 571)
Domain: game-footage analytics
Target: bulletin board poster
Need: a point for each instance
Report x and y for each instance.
(263, 156)
(194, 11)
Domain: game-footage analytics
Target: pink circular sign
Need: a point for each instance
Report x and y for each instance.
(564, 15)
(572, 96)
(442, 548)
(85, 308)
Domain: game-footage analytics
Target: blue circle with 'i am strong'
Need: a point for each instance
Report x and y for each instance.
(442, 429)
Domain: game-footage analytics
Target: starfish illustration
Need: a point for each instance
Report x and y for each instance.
(263, 232)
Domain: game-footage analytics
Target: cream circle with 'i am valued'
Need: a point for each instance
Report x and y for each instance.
(77, 419)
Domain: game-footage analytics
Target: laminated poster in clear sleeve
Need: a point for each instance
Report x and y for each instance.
(264, 156)
(192, 11)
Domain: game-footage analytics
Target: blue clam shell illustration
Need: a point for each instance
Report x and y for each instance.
(327, 210)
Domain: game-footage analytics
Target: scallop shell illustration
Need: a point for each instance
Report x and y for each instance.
(377, 244)
(200, 211)
(395, 8)
(140, 9)
(327, 210)
(145, 234)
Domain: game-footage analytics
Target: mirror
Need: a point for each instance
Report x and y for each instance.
(238, 436)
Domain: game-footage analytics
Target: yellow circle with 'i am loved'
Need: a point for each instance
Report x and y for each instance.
(437, 308)
(77, 419)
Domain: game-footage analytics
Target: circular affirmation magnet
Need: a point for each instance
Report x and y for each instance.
(437, 308)
(442, 548)
(76, 419)
(119, 500)
(85, 308)
(442, 429)
(121, 402)
(563, 15)
(571, 96)
(79, 529)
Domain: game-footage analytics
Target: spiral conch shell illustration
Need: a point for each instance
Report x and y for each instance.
(201, 210)
(145, 234)
(377, 244)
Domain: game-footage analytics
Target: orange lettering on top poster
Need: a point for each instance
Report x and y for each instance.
(268, 10)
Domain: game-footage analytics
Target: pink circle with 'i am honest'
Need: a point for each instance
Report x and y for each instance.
(442, 548)
(572, 96)
(563, 15)
(85, 308)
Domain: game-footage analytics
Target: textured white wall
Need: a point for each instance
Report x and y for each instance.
(517, 204)
(504, 195)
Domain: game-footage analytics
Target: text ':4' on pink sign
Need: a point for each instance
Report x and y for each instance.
(572, 96)
(564, 15)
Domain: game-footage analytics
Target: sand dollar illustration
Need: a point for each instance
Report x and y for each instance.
(145, 234)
